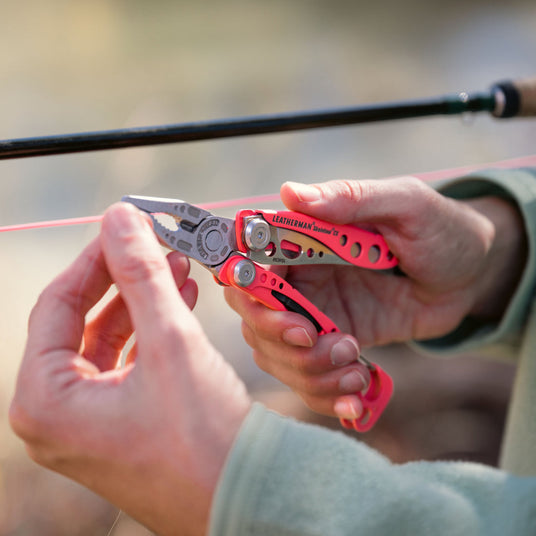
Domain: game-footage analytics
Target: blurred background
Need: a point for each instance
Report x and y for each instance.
(79, 66)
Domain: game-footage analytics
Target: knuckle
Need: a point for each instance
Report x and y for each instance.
(179, 263)
(47, 299)
(25, 421)
(302, 363)
(103, 337)
(249, 335)
(351, 190)
(413, 184)
(36, 410)
(135, 270)
(241, 303)
(311, 401)
(39, 456)
(423, 205)
(262, 362)
(230, 294)
(262, 320)
(314, 385)
(49, 456)
(40, 303)
(419, 192)
(307, 386)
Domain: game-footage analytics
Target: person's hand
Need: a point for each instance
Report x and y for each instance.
(458, 259)
(151, 437)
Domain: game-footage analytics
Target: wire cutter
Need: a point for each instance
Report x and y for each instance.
(234, 250)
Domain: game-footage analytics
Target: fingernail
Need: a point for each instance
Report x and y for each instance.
(305, 192)
(352, 382)
(346, 408)
(297, 336)
(344, 352)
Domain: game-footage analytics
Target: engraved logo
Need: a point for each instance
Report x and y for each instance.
(307, 226)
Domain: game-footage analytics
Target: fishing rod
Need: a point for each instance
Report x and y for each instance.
(502, 100)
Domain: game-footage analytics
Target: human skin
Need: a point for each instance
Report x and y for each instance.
(151, 437)
(457, 259)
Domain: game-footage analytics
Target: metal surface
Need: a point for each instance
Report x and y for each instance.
(187, 228)
(257, 234)
(291, 248)
(244, 273)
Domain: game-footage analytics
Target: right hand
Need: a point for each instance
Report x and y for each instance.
(151, 437)
(455, 257)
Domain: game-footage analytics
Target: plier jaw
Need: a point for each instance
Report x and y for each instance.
(184, 227)
(234, 250)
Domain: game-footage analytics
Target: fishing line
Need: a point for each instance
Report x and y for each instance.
(253, 200)
(525, 161)
(50, 223)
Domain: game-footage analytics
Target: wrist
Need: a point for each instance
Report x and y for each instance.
(505, 259)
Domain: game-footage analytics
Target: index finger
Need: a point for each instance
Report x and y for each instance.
(140, 269)
(57, 320)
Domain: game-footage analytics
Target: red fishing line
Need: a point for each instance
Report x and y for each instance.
(525, 161)
(49, 223)
(93, 219)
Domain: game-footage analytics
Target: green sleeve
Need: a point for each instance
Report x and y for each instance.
(285, 478)
(502, 339)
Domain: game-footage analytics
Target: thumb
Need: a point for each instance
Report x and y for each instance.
(139, 267)
(387, 201)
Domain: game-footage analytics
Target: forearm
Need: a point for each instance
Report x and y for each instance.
(506, 258)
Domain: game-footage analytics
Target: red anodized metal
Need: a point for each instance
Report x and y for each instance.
(353, 244)
(374, 400)
(262, 288)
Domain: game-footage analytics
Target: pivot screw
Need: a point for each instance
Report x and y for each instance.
(244, 273)
(257, 234)
(214, 240)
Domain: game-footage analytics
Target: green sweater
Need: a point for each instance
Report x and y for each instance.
(286, 478)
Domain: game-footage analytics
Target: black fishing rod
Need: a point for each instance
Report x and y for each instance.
(502, 100)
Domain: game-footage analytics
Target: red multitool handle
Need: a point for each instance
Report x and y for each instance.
(274, 292)
(353, 244)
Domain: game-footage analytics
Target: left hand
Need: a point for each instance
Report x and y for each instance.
(459, 258)
(151, 437)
